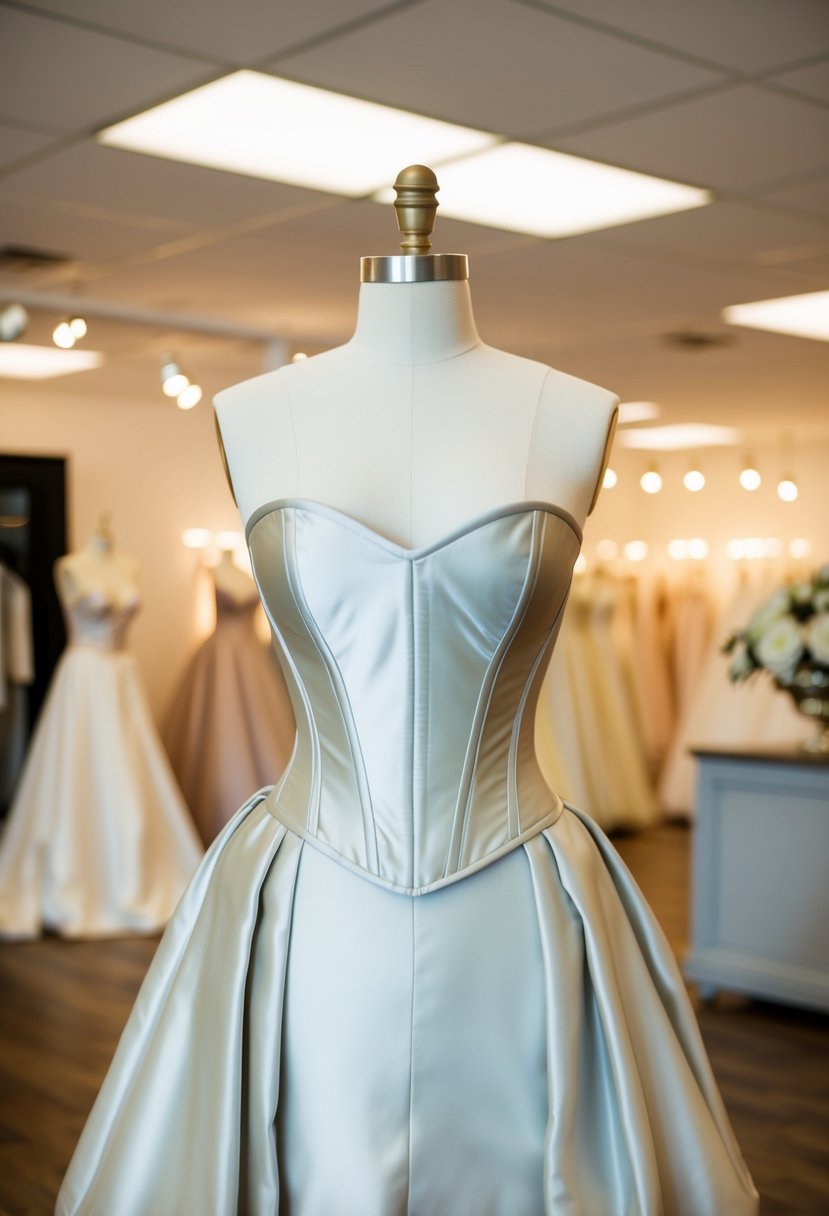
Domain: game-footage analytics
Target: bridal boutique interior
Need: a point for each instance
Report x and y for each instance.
(146, 268)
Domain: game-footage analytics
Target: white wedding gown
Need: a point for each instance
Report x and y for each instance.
(408, 980)
(98, 841)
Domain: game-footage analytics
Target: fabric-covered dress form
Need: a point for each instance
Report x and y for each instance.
(232, 727)
(408, 979)
(98, 841)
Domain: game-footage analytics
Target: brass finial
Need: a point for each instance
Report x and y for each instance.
(415, 207)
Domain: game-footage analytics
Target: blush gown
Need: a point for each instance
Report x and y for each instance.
(231, 729)
(98, 841)
(408, 979)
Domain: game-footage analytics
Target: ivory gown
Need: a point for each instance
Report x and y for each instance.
(98, 841)
(408, 979)
(231, 729)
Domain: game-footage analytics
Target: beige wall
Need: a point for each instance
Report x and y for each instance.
(157, 469)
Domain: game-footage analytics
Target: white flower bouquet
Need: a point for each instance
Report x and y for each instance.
(788, 636)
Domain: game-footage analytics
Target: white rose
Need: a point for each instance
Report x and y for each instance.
(817, 637)
(780, 647)
(821, 600)
(769, 611)
(741, 664)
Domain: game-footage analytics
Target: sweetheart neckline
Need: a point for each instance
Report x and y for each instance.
(442, 542)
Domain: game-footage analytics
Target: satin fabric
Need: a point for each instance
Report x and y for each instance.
(408, 979)
(231, 728)
(98, 841)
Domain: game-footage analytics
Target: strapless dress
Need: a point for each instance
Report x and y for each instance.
(407, 979)
(98, 840)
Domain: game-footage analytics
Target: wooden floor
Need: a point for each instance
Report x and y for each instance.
(62, 1006)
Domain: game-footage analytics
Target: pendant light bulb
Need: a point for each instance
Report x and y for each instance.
(78, 327)
(787, 489)
(694, 480)
(750, 478)
(651, 482)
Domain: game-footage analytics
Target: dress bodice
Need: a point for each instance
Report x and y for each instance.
(233, 612)
(95, 620)
(414, 675)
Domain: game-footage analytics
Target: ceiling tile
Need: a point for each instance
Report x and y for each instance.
(749, 35)
(74, 79)
(134, 185)
(811, 196)
(240, 34)
(92, 238)
(812, 81)
(738, 138)
(494, 65)
(725, 232)
(15, 143)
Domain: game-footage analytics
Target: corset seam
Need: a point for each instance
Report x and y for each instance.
(342, 701)
(522, 705)
(273, 808)
(457, 837)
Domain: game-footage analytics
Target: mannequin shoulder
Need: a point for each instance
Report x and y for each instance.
(564, 393)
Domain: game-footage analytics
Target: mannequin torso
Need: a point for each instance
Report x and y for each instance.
(415, 427)
(230, 581)
(99, 570)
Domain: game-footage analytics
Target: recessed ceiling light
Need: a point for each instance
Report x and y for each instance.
(263, 126)
(681, 435)
(19, 361)
(637, 411)
(804, 316)
(551, 194)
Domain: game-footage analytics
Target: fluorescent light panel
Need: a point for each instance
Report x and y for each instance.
(262, 126)
(804, 316)
(679, 436)
(637, 411)
(551, 194)
(21, 362)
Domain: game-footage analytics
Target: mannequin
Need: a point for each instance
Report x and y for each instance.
(98, 841)
(440, 991)
(437, 426)
(231, 728)
(98, 569)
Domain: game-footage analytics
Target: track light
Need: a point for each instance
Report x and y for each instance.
(13, 322)
(66, 333)
(173, 379)
(189, 396)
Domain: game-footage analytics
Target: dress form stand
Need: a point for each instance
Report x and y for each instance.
(99, 842)
(231, 727)
(408, 978)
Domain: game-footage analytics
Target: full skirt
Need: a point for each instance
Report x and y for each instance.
(306, 1042)
(98, 841)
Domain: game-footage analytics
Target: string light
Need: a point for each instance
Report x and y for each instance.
(636, 550)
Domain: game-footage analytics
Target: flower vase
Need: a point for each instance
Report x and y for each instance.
(809, 689)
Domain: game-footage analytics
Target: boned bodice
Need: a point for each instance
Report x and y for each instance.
(414, 676)
(95, 620)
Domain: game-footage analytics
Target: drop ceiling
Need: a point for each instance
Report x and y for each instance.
(731, 95)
